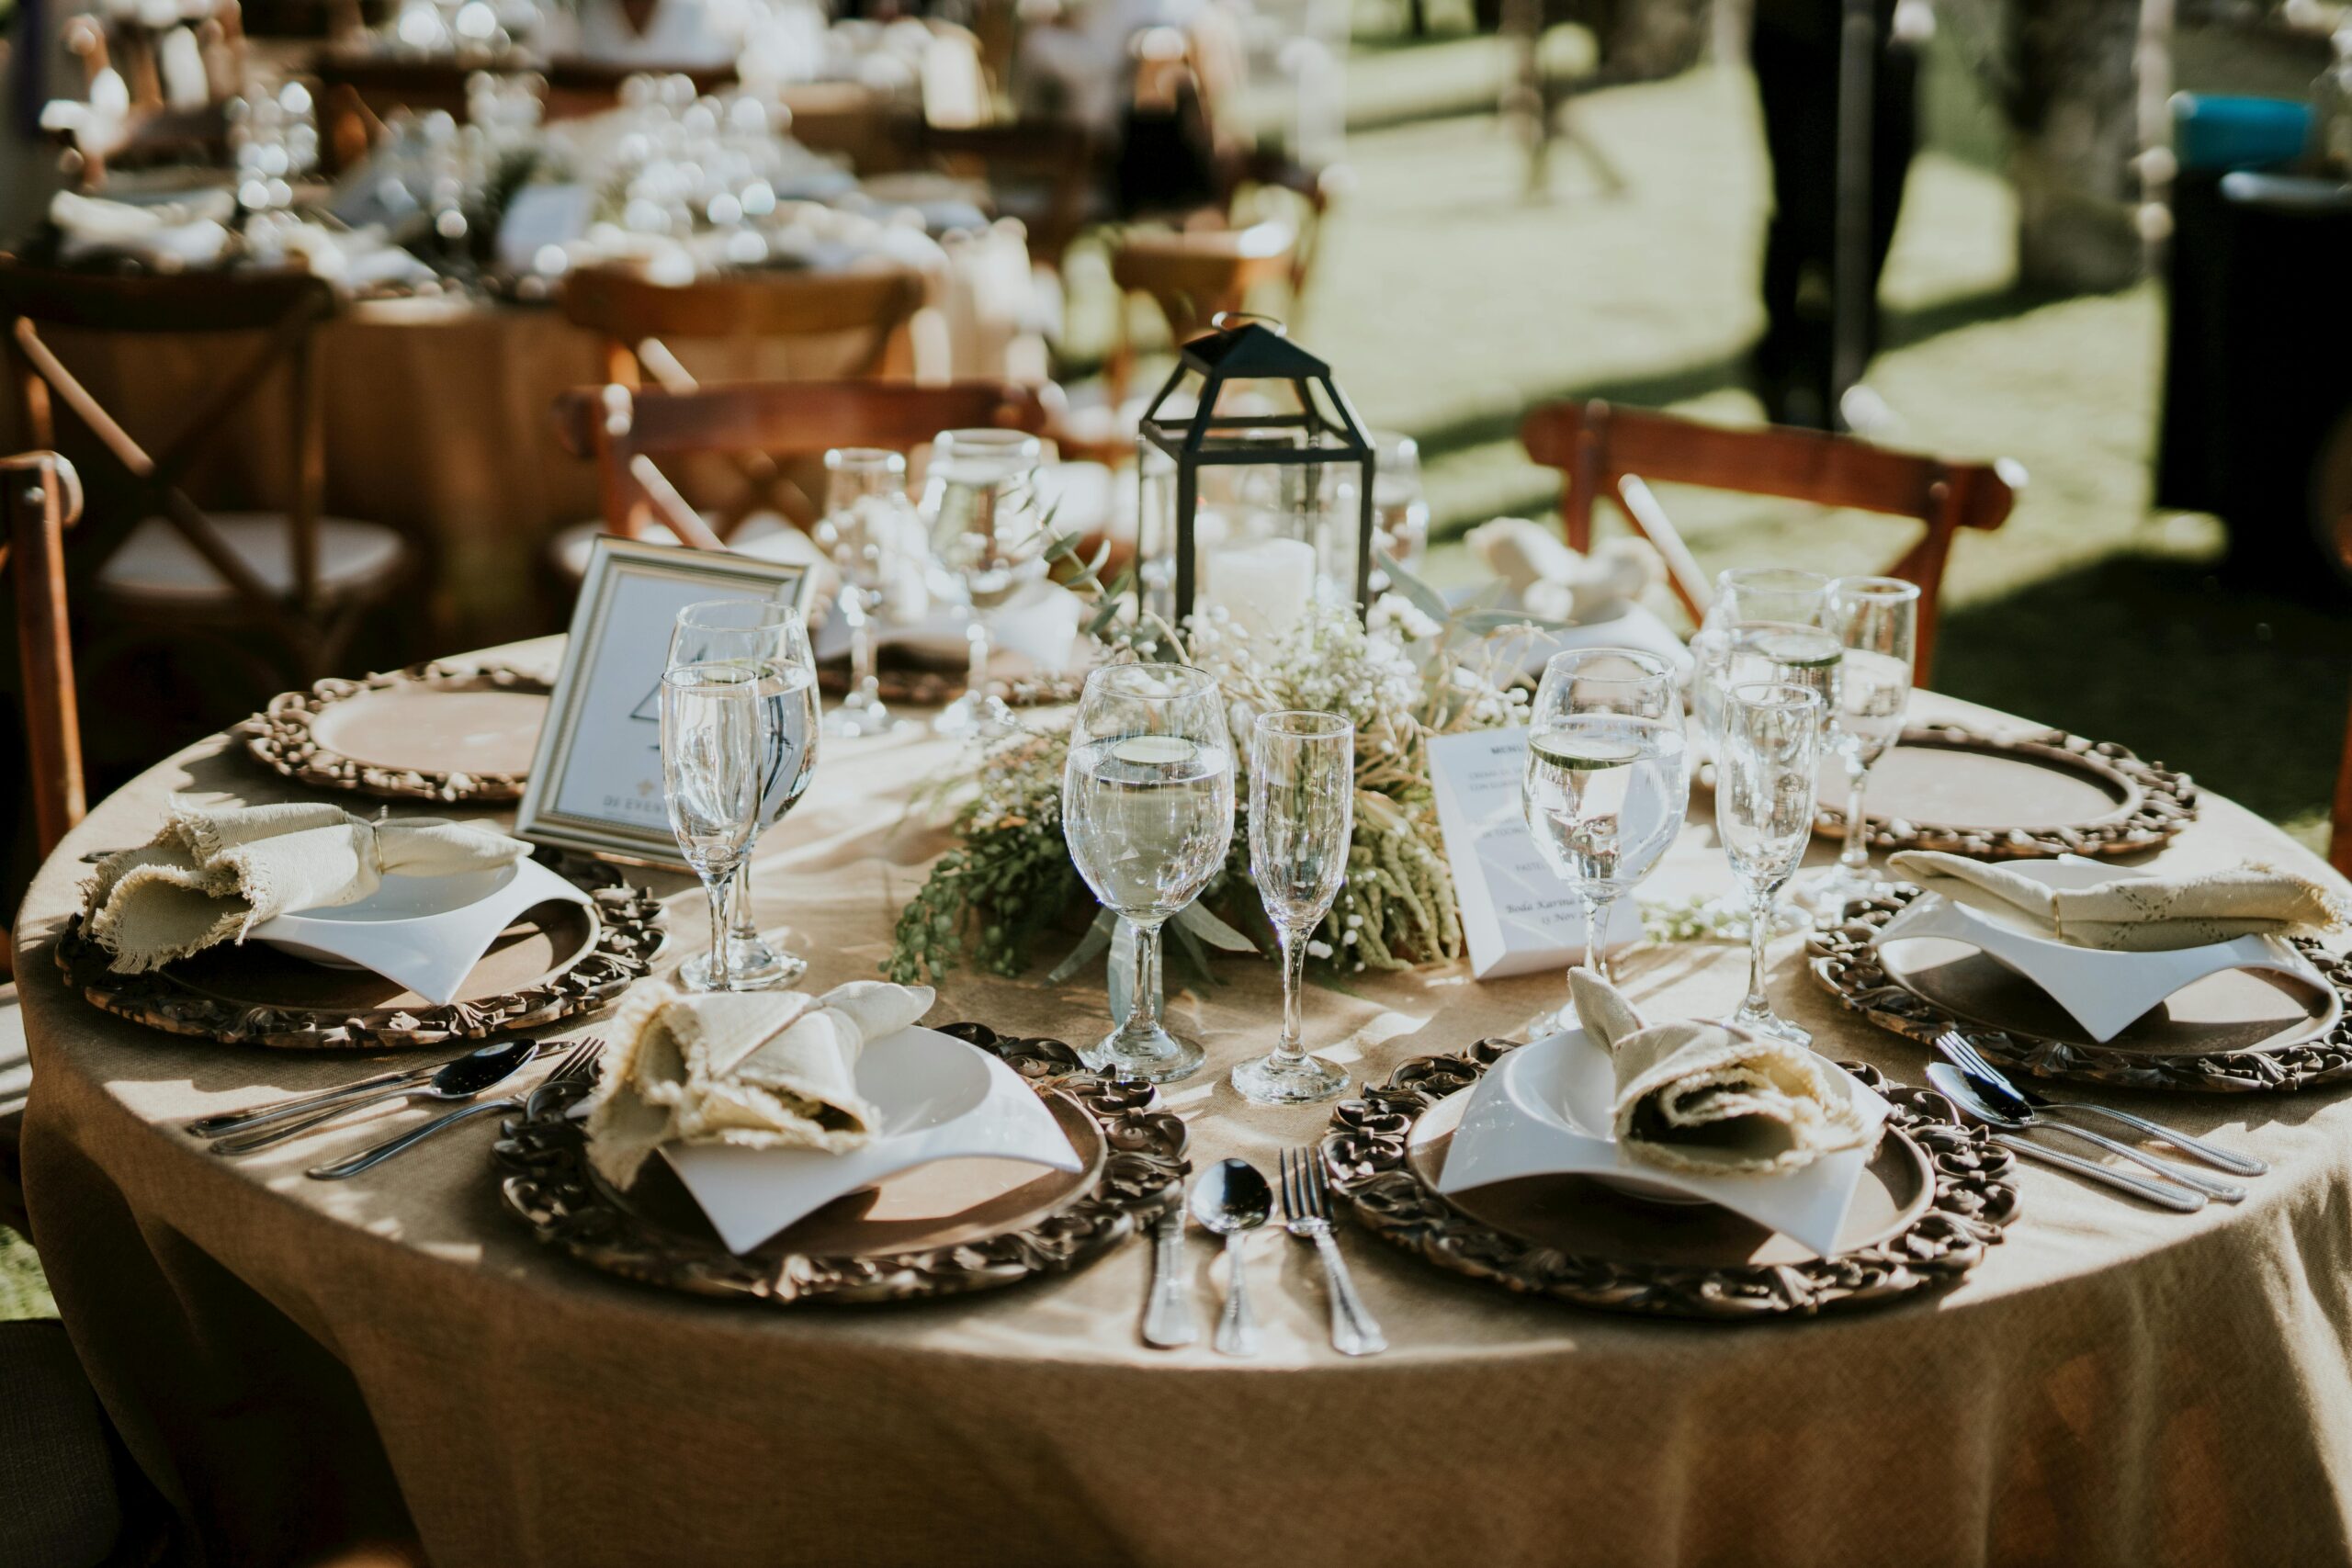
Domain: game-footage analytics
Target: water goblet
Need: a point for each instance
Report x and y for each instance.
(766, 638)
(865, 528)
(713, 743)
(1302, 810)
(1767, 782)
(1605, 785)
(1147, 812)
(1877, 620)
(988, 531)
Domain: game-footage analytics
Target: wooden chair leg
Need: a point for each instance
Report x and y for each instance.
(2339, 836)
(36, 487)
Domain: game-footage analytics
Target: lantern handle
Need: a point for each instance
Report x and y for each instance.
(1225, 321)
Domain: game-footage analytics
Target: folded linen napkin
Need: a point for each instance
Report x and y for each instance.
(2135, 911)
(1556, 582)
(1711, 1099)
(213, 874)
(756, 1069)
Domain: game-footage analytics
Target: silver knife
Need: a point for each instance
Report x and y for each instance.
(1168, 1319)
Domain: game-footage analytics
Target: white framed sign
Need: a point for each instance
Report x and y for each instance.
(595, 781)
(1518, 917)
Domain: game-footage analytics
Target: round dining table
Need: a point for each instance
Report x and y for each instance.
(302, 1366)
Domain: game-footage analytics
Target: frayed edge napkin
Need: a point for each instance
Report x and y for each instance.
(1711, 1099)
(2136, 912)
(212, 874)
(754, 1069)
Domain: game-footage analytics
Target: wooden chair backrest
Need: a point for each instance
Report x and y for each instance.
(41, 497)
(627, 432)
(626, 309)
(1193, 275)
(284, 307)
(1607, 451)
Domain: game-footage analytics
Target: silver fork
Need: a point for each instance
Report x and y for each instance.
(577, 1063)
(1306, 1213)
(1955, 1045)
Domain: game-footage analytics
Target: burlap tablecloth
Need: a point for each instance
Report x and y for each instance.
(300, 1364)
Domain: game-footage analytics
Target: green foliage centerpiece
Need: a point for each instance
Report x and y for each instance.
(1410, 671)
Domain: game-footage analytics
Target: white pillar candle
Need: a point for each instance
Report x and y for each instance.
(1264, 587)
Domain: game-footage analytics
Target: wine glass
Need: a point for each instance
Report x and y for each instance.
(1302, 809)
(714, 741)
(1605, 785)
(1762, 618)
(766, 638)
(1400, 511)
(1767, 780)
(866, 527)
(1147, 811)
(988, 531)
(1877, 620)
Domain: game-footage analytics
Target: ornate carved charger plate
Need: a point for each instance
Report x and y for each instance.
(429, 732)
(1935, 1195)
(2033, 796)
(558, 961)
(2239, 1031)
(944, 1229)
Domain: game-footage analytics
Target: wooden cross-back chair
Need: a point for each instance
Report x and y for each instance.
(1193, 275)
(41, 497)
(1611, 452)
(305, 579)
(172, 112)
(637, 321)
(628, 434)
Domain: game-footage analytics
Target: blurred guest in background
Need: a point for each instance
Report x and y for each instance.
(1795, 51)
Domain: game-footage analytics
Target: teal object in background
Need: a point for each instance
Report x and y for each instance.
(2225, 133)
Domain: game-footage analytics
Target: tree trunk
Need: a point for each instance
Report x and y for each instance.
(2074, 104)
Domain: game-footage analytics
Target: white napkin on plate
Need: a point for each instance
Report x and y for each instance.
(212, 874)
(755, 1069)
(2135, 911)
(174, 237)
(1713, 1099)
(1556, 584)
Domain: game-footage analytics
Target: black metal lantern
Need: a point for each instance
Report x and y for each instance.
(1247, 358)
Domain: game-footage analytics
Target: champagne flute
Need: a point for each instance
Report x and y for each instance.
(1605, 786)
(1302, 810)
(1767, 624)
(981, 497)
(867, 523)
(713, 743)
(1877, 620)
(1147, 811)
(766, 638)
(1767, 782)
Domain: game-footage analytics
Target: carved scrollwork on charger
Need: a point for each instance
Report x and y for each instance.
(1848, 967)
(283, 737)
(547, 1183)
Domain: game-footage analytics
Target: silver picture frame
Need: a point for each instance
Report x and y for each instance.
(595, 779)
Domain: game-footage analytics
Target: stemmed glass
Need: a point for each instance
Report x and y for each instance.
(1302, 809)
(1764, 620)
(1605, 786)
(713, 743)
(1767, 778)
(865, 526)
(1877, 620)
(1147, 812)
(766, 638)
(981, 499)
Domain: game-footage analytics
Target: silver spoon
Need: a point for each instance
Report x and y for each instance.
(462, 1079)
(1232, 1200)
(1956, 1087)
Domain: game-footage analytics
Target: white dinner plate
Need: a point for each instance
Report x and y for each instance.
(1544, 1110)
(938, 1097)
(424, 932)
